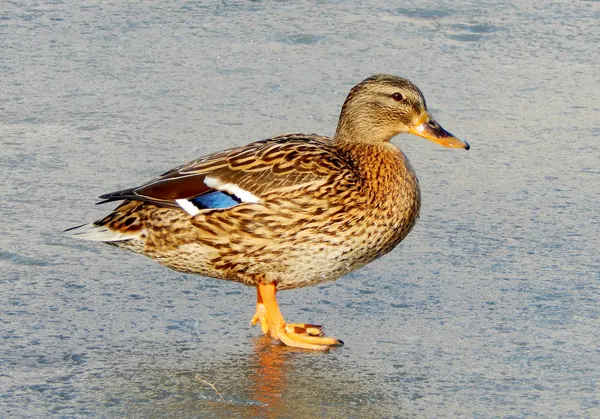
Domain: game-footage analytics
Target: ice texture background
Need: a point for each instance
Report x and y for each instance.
(489, 308)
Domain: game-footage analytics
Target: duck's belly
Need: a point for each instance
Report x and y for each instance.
(316, 253)
(322, 262)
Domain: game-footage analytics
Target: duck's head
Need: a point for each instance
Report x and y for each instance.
(383, 106)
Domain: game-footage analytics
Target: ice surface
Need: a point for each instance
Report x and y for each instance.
(490, 307)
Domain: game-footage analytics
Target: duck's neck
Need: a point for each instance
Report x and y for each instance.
(383, 169)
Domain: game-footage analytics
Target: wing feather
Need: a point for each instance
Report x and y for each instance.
(276, 164)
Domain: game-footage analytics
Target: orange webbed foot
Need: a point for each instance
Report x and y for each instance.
(298, 335)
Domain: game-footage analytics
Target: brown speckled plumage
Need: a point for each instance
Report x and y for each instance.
(311, 208)
(333, 220)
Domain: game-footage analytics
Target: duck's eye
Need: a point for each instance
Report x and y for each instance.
(397, 97)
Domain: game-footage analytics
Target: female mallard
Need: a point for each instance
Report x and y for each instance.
(289, 211)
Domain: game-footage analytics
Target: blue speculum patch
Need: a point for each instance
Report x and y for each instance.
(214, 200)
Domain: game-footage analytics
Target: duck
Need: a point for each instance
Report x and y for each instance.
(290, 211)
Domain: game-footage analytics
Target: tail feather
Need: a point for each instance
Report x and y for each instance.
(101, 233)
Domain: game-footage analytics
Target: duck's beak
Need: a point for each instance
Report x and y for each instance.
(426, 127)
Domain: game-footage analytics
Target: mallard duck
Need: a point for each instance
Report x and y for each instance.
(290, 211)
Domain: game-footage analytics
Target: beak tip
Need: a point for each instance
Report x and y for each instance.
(467, 146)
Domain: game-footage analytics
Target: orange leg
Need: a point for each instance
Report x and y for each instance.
(307, 336)
(261, 314)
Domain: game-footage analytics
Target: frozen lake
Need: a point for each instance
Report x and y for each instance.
(490, 307)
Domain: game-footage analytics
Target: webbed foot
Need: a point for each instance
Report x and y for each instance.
(272, 323)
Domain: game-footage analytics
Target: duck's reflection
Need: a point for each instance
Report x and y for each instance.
(268, 380)
(272, 381)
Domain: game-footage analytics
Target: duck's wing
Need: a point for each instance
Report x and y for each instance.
(242, 174)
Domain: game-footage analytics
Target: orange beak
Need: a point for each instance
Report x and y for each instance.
(426, 127)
